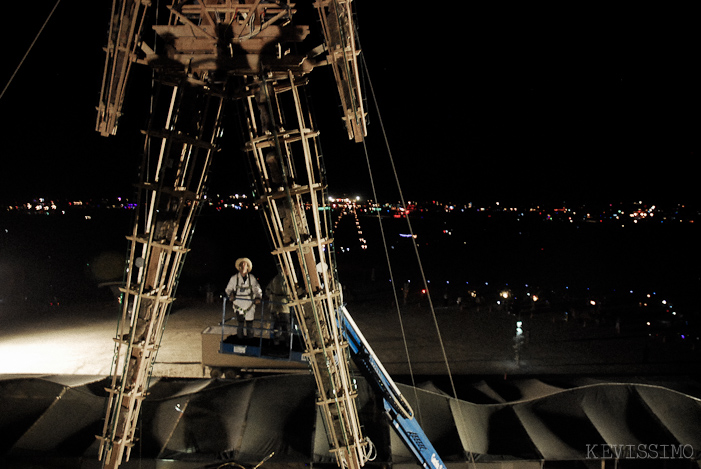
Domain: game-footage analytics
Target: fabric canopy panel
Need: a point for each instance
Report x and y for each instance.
(241, 420)
(582, 423)
(50, 415)
(194, 423)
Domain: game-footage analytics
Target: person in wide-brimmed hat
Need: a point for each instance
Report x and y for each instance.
(245, 293)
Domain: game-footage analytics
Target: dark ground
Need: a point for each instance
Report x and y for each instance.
(55, 270)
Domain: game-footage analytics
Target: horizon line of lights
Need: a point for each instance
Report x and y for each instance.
(446, 205)
(642, 212)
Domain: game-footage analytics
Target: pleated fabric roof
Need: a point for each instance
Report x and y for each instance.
(209, 422)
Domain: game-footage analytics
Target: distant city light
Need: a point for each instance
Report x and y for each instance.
(618, 213)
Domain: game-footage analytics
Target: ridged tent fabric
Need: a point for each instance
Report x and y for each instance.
(208, 422)
(245, 420)
(50, 415)
(581, 422)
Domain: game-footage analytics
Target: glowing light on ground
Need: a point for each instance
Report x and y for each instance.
(83, 349)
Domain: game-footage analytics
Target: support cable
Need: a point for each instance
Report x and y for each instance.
(418, 258)
(411, 231)
(389, 265)
(31, 46)
(381, 226)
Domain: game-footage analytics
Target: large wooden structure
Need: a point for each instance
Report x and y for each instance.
(209, 54)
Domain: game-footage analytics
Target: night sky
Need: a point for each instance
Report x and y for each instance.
(520, 105)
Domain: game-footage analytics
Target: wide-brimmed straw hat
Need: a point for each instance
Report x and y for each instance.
(246, 260)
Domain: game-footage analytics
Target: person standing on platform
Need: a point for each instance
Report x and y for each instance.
(244, 291)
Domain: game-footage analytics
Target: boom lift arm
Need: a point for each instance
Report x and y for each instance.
(397, 408)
